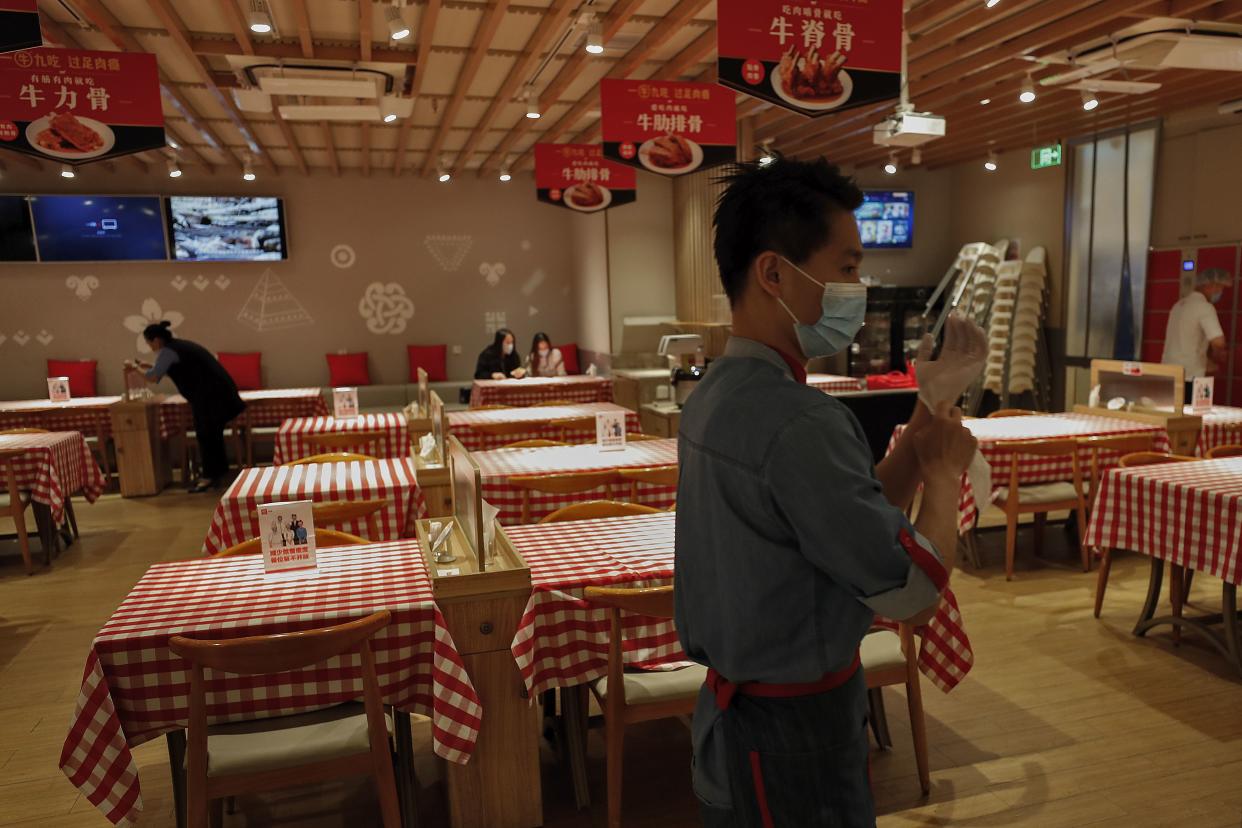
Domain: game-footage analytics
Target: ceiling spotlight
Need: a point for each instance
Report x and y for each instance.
(595, 36)
(173, 170)
(1028, 90)
(259, 18)
(891, 166)
(66, 171)
(532, 104)
(990, 164)
(443, 173)
(985, 101)
(505, 176)
(991, 3)
(173, 144)
(1089, 100)
(397, 29)
(767, 156)
(390, 117)
(247, 170)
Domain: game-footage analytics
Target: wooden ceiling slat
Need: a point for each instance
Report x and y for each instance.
(323, 51)
(483, 36)
(241, 32)
(291, 140)
(366, 140)
(936, 12)
(365, 26)
(305, 40)
(948, 35)
(426, 31)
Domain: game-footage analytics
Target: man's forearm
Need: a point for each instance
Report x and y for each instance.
(937, 519)
(899, 472)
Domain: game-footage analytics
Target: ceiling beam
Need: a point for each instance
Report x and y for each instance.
(618, 16)
(305, 40)
(291, 140)
(241, 32)
(483, 36)
(549, 26)
(323, 51)
(426, 33)
(365, 29)
(948, 35)
(929, 15)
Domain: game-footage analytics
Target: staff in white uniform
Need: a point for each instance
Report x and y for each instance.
(1194, 336)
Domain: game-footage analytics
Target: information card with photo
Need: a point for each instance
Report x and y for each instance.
(344, 403)
(610, 430)
(287, 533)
(1201, 391)
(58, 389)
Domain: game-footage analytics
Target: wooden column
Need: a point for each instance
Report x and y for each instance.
(694, 204)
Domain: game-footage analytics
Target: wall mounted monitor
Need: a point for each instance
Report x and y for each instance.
(17, 243)
(86, 228)
(886, 219)
(227, 228)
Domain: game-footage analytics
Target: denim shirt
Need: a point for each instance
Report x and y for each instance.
(786, 546)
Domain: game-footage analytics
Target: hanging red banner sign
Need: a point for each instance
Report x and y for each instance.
(76, 106)
(814, 56)
(668, 127)
(19, 25)
(578, 176)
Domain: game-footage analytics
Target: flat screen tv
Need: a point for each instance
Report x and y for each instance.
(16, 232)
(226, 228)
(98, 228)
(886, 218)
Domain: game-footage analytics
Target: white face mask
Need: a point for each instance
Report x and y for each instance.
(508, 348)
(842, 310)
(543, 352)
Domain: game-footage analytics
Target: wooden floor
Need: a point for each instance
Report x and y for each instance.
(1064, 721)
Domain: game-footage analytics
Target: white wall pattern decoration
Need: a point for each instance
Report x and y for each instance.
(151, 314)
(178, 283)
(492, 272)
(21, 338)
(82, 286)
(494, 321)
(449, 251)
(44, 338)
(272, 307)
(532, 284)
(342, 256)
(201, 283)
(223, 282)
(386, 308)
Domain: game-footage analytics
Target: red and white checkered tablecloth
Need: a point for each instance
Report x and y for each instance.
(265, 408)
(994, 433)
(461, 423)
(89, 415)
(562, 640)
(236, 520)
(291, 442)
(54, 466)
(536, 390)
(499, 465)
(1222, 426)
(833, 383)
(134, 689)
(1187, 513)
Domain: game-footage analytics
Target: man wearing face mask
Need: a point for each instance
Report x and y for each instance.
(1194, 336)
(788, 540)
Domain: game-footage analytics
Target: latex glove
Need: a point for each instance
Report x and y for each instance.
(961, 361)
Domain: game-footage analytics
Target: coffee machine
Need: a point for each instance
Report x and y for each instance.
(686, 364)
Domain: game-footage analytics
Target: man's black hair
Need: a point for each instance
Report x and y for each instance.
(783, 206)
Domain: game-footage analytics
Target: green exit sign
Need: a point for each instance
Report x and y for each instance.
(1049, 156)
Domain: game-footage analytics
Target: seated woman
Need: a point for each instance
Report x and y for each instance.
(544, 360)
(499, 360)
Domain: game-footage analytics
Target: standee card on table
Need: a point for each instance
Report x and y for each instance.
(668, 127)
(287, 536)
(578, 176)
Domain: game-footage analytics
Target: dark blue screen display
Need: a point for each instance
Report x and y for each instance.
(98, 228)
(886, 218)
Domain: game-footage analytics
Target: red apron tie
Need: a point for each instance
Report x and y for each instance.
(725, 690)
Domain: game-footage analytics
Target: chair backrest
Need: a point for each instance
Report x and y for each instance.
(331, 457)
(1118, 443)
(489, 407)
(551, 404)
(1151, 458)
(506, 429)
(641, 438)
(338, 512)
(343, 439)
(574, 483)
(1232, 450)
(25, 431)
(654, 602)
(655, 475)
(575, 424)
(538, 443)
(324, 539)
(1060, 447)
(1011, 412)
(598, 509)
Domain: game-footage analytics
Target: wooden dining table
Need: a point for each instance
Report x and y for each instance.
(536, 390)
(293, 443)
(541, 421)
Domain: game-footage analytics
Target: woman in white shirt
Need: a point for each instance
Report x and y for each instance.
(544, 360)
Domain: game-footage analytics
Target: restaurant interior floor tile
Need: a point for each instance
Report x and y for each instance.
(1065, 720)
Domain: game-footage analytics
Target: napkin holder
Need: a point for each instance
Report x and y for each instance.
(503, 571)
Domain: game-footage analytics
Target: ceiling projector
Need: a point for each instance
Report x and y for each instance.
(908, 129)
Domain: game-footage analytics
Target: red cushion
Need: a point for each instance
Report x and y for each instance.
(432, 359)
(348, 370)
(569, 353)
(81, 374)
(245, 369)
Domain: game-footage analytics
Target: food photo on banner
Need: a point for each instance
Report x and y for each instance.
(19, 25)
(77, 106)
(666, 127)
(577, 176)
(813, 57)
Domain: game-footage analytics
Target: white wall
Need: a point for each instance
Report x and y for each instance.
(640, 255)
(588, 245)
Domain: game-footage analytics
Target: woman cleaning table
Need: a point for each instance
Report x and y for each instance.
(206, 386)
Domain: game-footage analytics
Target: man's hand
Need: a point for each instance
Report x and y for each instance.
(944, 446)
(960, 363)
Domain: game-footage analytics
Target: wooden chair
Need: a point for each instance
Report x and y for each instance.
(575, 483)
(340, 512)
(551, 404)
(287, 751)
(25, 431)
(891, 658)
(490, 407)
(333, 457)
(654, 476)
(1041, 498)
(1011, 412)
(190, 456)
(1232, 450)
(1142, 458)
(538, 443)
(598, 509)
(642, 438)
(324, 539)
(629, 698)
(14, 504)
(69, 514)
(508, 429)
(339, 440)
(1117, 443)
(575, 428)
